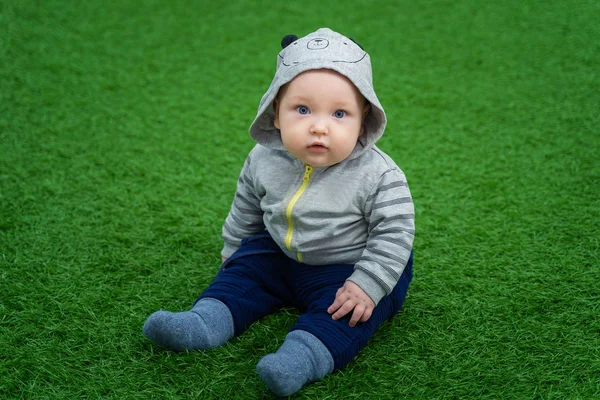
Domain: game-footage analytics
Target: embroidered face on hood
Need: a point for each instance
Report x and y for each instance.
(323, 49)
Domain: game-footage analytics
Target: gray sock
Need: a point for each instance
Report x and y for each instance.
(302, 358)
(208, 324)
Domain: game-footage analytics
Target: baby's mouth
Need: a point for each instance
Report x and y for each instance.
(317, 147)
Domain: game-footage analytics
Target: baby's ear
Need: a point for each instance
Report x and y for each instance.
(366, 109)
(276, 110)
(287, 40)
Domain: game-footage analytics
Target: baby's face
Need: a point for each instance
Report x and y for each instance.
(320, 115)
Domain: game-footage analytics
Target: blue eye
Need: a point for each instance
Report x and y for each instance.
(302, 110)
(339, 114)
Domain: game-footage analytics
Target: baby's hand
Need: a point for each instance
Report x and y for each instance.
(223, 259)
(351, 297)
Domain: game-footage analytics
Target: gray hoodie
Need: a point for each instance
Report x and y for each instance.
(358, 211)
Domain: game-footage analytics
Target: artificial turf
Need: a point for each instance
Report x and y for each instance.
(123, 127)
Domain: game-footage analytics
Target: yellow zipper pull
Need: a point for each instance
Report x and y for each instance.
(308, 169)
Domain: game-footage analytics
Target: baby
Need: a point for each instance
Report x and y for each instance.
(322, 220)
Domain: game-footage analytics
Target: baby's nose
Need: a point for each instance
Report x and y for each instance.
(318, 128)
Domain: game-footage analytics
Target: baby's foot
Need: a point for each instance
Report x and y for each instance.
(301, 359)
(209, 324)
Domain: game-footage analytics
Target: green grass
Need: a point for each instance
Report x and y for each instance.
(123, 128)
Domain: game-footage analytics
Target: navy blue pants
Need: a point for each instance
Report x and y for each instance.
(259, 279)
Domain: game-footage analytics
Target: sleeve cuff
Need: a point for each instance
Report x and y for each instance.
(369, 285)
(228, 250)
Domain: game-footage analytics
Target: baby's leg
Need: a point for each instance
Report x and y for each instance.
(251, 286)
(246, 290)
(317, 344)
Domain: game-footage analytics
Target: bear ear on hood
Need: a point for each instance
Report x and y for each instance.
(287, 40)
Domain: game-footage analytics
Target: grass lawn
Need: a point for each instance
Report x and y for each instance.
(123, 128)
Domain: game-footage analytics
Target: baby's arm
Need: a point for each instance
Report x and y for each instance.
(245, 217)
(389, 211)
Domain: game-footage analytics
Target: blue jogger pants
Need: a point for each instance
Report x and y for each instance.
(259, 279)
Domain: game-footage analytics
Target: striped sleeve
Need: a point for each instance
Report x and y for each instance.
(389, 211)
(245, 217)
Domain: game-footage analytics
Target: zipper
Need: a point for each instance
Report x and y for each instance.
(308, 169)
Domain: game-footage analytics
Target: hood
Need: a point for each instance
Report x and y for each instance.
(323, 49)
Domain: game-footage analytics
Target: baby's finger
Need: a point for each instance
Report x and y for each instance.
(343, 310)
(366, 315)
(337, 303)
(359, 311)
(340, 298)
